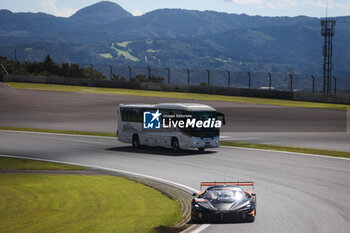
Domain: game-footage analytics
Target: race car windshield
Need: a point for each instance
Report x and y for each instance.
(223, 195)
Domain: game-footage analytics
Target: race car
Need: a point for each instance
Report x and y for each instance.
(224, 202)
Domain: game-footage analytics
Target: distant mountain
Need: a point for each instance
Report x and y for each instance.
(100, 13)
(28, 24)
(27, 27)
(104, 33)
(174, 23)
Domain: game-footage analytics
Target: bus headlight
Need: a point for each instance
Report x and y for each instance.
(195, 143)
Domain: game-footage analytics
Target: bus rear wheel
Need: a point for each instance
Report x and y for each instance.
(201, 150)
(135, 140)
(175, 144)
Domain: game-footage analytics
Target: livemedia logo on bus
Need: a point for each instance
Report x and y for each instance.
(151, 120)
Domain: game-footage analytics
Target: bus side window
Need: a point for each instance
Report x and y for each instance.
(136, 115)
(127, 114)
(123, 114)
(139, 116)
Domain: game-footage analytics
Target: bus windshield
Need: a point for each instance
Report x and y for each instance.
(203, 132)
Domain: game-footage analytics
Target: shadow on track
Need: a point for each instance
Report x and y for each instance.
(158, 151)
(213, 222)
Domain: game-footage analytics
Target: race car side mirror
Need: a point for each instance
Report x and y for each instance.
(194, 194)
(253, 194)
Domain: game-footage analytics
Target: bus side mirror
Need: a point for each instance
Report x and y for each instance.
(221, 117)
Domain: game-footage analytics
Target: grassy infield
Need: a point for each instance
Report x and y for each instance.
(78, 203)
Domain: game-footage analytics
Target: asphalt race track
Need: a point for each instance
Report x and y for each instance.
(296, 193)
(313, 128)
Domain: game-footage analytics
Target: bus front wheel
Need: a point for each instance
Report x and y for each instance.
(201, 150)
(135, 140)
(175, 144)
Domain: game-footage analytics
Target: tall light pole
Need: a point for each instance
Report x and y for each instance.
(327, 31)
(270, 80)
(313, 83)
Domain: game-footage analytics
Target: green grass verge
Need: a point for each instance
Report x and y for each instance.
(334, 153)
(177, 95)
(58, 131)
(28, 164)
(73, 203)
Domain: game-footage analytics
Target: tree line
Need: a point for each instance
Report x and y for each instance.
(49, 68)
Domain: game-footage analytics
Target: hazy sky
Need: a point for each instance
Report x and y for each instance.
(315, 8)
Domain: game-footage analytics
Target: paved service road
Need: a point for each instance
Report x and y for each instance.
(296, 193)
(291, 126)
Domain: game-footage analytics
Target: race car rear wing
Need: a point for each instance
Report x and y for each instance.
(238, 183)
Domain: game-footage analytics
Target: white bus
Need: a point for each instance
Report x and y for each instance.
(170, 125)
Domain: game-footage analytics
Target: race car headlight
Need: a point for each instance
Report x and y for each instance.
(203, 205)
(245, 207)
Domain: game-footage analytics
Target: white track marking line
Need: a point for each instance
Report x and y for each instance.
(236, 138)
(201, 228)
(59, 134)
(286, 152)
(229, 147)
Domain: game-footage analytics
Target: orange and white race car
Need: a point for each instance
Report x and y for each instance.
(224, 201)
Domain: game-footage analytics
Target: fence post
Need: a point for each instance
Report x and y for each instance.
(149, 73)
(208, 77)
(168, 75)
(313, 83)
(129, 73)
(291, 82)
(335, 85)
(188, 76)
(249, 79)
(270, 80)
(110, 72)
(71, 70)
(229, 79)
(92, 70)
